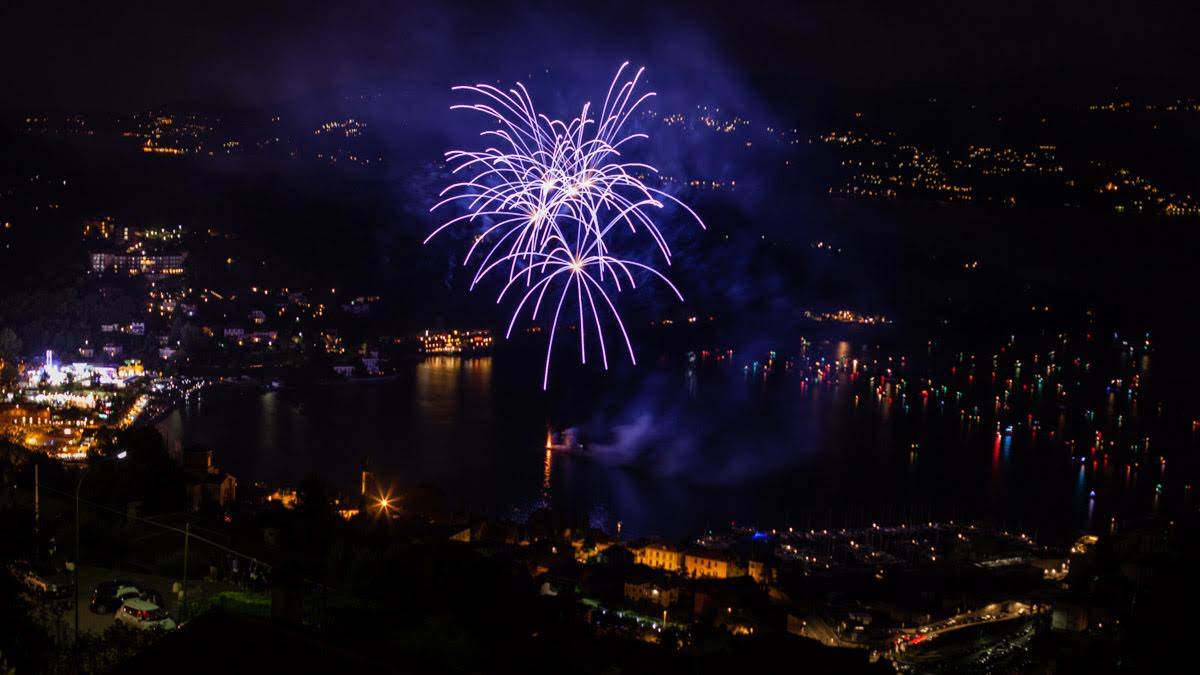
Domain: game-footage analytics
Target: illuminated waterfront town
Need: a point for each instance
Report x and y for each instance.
(836, 338)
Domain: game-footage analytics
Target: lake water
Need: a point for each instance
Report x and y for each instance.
(673, 448)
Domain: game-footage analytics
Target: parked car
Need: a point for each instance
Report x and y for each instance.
(41, 580)
(51, 584)
(19, 569)
(108, 596)
(144, 615)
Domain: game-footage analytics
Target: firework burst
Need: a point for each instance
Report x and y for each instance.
(546, 197)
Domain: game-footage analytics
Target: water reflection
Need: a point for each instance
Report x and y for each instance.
(837, 428)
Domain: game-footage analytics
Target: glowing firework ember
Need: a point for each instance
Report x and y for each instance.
(547, 198)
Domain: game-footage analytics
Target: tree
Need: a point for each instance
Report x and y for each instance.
(147, 473)
(193, 339)
(10, 345)
(10, 351)
(315, 499)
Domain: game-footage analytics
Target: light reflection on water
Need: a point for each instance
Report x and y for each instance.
(715, 445)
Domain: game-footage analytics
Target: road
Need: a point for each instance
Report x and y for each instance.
(816, 628)
(994, 613)
(62, 622)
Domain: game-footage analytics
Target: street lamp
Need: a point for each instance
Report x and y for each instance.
(386, 504)
(75, 571)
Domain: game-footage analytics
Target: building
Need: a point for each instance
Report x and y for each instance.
(207, 484)
(139, 263)
(760, 571)
(588, 543)
(734, 604)
(709, 564)
(198, 461)
(455, 342)
(267, 336)
(658, 555)
(56, 374)
(659, 590)
(218, 488)
(19, 417)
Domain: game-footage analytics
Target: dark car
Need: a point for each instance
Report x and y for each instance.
(20, 569)
(41, 580)
(108, 596)
(54, 585)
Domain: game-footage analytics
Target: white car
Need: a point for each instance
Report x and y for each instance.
(124, 593)
(144, 615)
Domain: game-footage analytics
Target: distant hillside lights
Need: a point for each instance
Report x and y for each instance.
(456, 342)
(134, 263)
(846, 316)
(151, 252)
(160, 150)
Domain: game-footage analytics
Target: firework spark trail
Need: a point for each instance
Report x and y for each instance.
(547, 196)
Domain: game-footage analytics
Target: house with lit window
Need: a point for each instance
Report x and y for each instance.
(711, 564)
(206, 484)
(654, 588)
(588, 543)
(659, 555)
(762, 572)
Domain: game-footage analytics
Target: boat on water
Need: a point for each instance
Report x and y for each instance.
(566, 440)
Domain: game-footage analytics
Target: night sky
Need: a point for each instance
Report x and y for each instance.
(97, 56)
